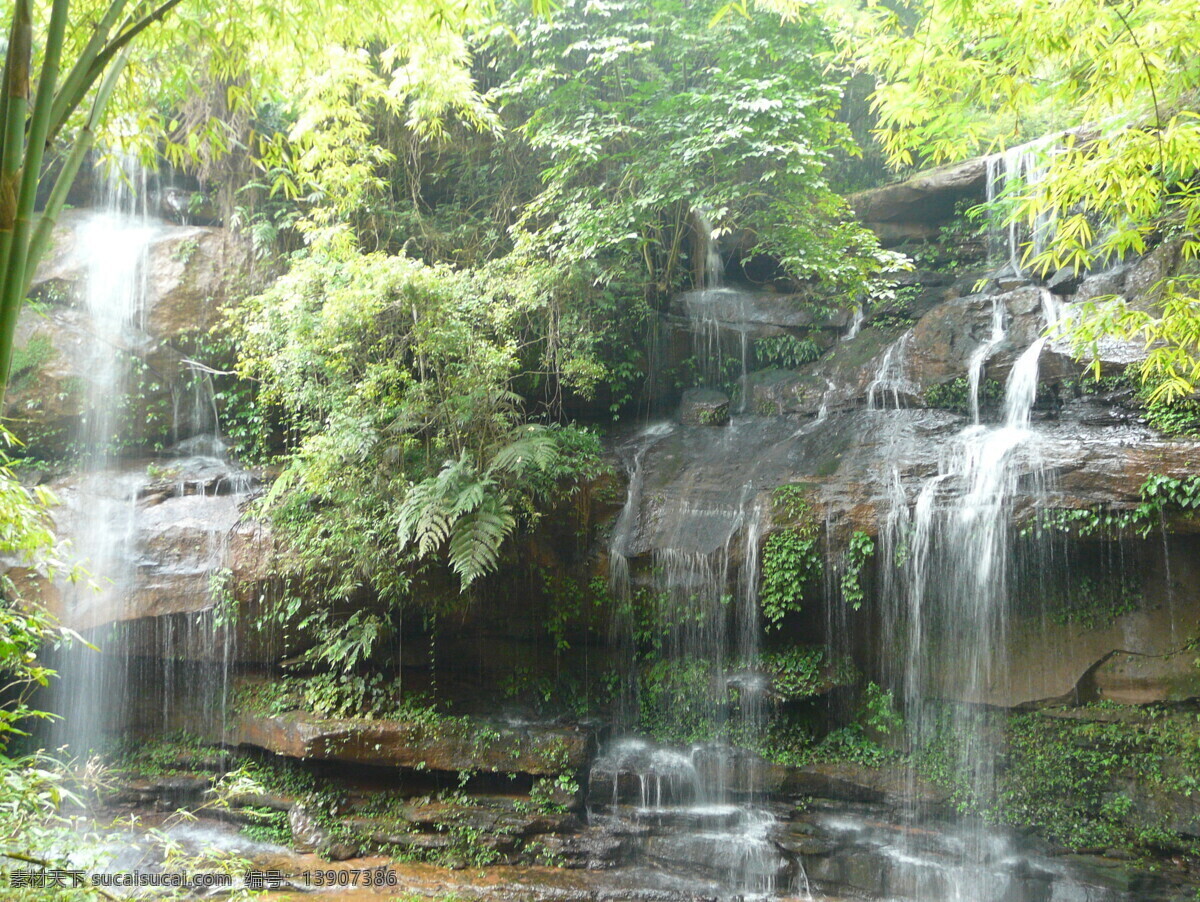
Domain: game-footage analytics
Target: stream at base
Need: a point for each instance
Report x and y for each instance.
(850, 852)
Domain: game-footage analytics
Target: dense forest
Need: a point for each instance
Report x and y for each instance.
(601, 449)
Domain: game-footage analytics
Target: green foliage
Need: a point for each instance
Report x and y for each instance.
(248, 423)
(860, 550)
(335, 695)
(956, 394)
(633, 141)
(29, 358)
(1167, 319)
(1169, 413)
(678, 700)
(26, 538)
(1159, 495)
(955, 79)
(852, 745)
(877, 710)
(1067, 773)
(546, 791)
(791, 557)
(410, 447)
(1061, 776)
(1095, 602)
(785, 351)
(805, 671)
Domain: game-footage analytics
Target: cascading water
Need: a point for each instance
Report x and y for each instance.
(714, 265)
(891, 380)
(946, 596)
(857, 318)
(981, 354)
(116, 245)
(1023, 166)
(99, 693)
(714, 310)
(701, 800)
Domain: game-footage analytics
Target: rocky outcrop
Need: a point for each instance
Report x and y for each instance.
(453, 746)
(167, 528)
(926, 196)
(914, 208)
(1138, 678)
(704, 407)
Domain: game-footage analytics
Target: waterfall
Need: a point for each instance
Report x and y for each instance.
(857, 318)
(946, 591)
(1023, 166)
(149, 645)
(891, 377)
(115, 243)
(710, 251)
(981, 354)
(699, 800)
(713, 311)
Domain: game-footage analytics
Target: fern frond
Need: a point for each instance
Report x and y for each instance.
(476, 541)
(535, 449)
(471, 496)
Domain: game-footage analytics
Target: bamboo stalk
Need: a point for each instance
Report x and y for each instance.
(115, 46)
(62, 185)
(74, 85)
(16, 90)
(12, 291)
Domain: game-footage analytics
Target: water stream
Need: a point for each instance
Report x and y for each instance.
(715, 310)
(1017, 168)
(149, 641)
(946, 593)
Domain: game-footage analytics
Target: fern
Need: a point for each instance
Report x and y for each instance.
(469, 512)
(537, 449)
(476, 541)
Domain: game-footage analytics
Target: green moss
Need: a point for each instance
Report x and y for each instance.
(29, 359)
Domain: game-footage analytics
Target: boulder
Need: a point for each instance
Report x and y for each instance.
(308, 835)
(704, 407)
(927, 198)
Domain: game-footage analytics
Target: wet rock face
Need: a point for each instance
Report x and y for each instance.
(191, 273)
(857, 856)
(1132, 678)
(809, 426)
(167, 529)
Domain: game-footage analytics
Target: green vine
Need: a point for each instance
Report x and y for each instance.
(1158, 494)
(858, 552)
(791, 559)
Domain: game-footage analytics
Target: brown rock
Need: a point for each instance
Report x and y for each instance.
(1140, 679)
(928, 197)
(704, 407)
(452, 747)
